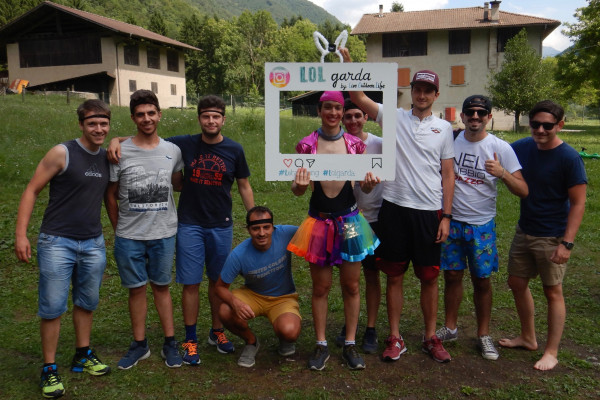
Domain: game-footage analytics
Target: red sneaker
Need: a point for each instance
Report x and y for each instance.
(436, 350)
(394, 347)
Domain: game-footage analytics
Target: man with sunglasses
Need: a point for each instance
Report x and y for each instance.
(549, 220)
(480, 161)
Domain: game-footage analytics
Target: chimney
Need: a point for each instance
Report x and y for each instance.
(486, 11)
(380, 11)
(495, 15)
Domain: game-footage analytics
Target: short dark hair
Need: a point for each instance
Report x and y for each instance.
(95, 105)
(211, 101)
(142, 96)
(349, 105)
(550, 107)
(257, 210)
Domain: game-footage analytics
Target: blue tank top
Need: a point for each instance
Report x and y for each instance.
(76, 194)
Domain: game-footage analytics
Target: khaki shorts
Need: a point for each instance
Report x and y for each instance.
(530, 256)
(268, 306)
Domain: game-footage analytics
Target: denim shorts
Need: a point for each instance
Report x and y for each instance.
(197, 246)
(140, 261)
(473, 243)
(62, 262)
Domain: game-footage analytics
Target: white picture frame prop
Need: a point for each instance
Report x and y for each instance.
(280, 77)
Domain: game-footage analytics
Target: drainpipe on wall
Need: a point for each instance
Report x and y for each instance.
(118, 80)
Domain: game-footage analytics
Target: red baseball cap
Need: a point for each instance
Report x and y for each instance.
(426, 76)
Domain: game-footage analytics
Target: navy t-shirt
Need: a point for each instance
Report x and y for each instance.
(549, 175)
(209, 172)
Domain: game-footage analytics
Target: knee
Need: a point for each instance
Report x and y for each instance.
(287, 327)
(225, 312)
(391, 268)
(321, 289)
(452, 276)
(482, 285)
(351, 289)
(427, 275)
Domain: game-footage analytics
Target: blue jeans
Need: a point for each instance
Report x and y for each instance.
(63, 261)
(197, 245)
(140, 261)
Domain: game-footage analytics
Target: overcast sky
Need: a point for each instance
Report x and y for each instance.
(350, 11)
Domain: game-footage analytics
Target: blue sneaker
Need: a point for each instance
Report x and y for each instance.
(134, 354)
(51, 383)
(170, 353)
(216, 337)
(190, 352)
(90, 364)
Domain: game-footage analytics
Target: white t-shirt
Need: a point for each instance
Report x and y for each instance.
(475, 190)
(369, 204)
(420, 147)
(146, 206)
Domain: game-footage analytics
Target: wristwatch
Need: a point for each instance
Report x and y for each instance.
(568, 245)
(449, 216)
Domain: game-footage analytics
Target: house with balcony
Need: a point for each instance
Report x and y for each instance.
(462, 45)
(55, 47)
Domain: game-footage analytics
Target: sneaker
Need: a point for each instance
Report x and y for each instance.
(340, 340)
(436, 350)
(394, 348)
(445, 335)
(248, 357)
(354, 360)
(216, 337)
(286, 348)
(51, 383)
(318, 359)
(370, 343)
(90, 364)
(486, 345)
(170, 353)
(190, 352)
(134, 354)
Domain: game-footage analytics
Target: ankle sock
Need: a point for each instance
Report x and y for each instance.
(190, 333)
(322, 343)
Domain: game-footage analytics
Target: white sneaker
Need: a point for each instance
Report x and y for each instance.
(486, 345)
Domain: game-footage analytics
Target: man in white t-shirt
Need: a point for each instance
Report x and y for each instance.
(480, 161)
(412, 223)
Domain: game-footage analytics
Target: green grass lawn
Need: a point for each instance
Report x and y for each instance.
(29, 129)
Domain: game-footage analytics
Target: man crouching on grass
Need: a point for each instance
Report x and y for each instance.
(269, 289)
(70, 247)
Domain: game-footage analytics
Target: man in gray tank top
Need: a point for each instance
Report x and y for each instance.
(70, 247)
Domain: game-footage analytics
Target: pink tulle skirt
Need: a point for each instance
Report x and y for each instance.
(331, 241)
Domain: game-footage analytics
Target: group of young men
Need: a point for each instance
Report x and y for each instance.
(438, 213)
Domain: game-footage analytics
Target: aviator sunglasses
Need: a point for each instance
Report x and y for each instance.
(480, 113)
(547, 125)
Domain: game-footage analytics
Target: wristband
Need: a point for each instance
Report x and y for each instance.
(449, 216)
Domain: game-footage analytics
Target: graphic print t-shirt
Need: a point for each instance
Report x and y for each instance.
(209, 173)
(146, 204)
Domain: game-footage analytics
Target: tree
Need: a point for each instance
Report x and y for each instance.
(523, 79)
(397, 7)
(157, 24)
(579, 65)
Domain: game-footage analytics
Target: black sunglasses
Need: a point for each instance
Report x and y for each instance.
(480, 113)
(547, 125)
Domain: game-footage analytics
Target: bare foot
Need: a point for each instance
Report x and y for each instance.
(546, 363)
(518, 342)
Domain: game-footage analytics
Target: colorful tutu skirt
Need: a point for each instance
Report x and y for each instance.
(325, 239)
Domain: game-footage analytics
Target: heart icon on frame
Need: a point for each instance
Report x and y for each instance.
(287, 162)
